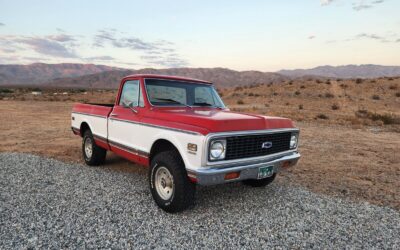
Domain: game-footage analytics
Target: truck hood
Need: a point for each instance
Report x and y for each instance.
(216, 120)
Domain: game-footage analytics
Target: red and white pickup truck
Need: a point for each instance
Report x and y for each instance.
(181, 130)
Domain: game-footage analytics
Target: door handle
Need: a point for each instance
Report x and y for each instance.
(114, 115)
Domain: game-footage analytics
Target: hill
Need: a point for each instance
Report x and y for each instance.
(345, 71)
(38, 73)
(220, 76)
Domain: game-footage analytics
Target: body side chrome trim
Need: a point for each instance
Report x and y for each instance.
(81, 113)
(156, 126)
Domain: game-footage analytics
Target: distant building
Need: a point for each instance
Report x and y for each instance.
(36, 92)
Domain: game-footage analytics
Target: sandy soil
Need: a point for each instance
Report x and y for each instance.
(359, 163)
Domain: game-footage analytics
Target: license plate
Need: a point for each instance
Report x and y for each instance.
(264, 172)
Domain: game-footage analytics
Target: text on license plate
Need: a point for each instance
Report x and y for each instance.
(264, 172)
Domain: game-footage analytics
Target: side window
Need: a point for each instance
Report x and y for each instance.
(130, 94)
(203, 95)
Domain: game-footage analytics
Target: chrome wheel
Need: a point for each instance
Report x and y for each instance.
(164, 183)
(88, 147)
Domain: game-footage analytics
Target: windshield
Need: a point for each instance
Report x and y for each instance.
(177, 93)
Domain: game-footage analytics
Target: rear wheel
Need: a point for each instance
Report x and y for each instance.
(92, 154)
(260, 182)
(169, 184)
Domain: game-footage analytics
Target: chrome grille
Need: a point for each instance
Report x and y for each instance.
(245, 146)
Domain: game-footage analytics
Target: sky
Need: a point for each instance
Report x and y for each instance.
(264, 35)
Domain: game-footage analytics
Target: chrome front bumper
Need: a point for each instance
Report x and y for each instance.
(213, 176)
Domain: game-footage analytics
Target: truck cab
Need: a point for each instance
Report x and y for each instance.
(181, 130)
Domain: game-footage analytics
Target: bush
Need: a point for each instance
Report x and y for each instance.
(335, 107)
(376, 97)
(275, 94)
(251, 94)
(301, 106)
(238, 88)
(291, 82)
(385, 118)
(302, 87)
(329, 95)
(328, 82)
(390, 78)
(359, 80)
(6, 91)
(393, 87)
(398, 94)
(318, 81)
(322, 116)
(297, 92)
(240, 102)
(373, 81)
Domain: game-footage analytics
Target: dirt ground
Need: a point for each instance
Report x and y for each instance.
(355, 162)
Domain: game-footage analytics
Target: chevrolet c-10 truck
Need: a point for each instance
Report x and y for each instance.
(181, 130)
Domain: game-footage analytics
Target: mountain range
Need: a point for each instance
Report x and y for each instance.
(101, 76)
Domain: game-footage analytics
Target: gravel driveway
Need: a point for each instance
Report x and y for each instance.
(49, 204)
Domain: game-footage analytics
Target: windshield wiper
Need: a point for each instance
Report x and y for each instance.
(202, 104)
(173, 101)
(206, 104)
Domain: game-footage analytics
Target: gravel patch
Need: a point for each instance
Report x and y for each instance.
(45, 203)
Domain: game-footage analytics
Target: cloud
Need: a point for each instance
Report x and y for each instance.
(47, 47)
(398, 40)
(311, 37)
(364, 4)
(157, 53)
(100, 58)
(2, 24)
(61, 38)
(361, 6)
(326, 2)
(7, 50)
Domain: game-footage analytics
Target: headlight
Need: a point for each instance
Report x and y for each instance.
(294, 140)
(217, 149)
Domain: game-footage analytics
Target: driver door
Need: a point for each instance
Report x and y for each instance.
(124, 122)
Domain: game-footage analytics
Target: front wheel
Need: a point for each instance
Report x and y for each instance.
(259, 182)
(169, 184)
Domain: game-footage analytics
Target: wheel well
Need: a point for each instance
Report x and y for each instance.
(162, 145)
(84, 127)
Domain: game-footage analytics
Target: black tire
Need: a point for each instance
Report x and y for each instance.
(183, 192)
(259, 183)
(98, 155)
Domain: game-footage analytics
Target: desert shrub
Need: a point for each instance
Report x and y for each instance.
(385, 118)
(329, 95)
(6, 91)
(375, 97)
(398, 94)
(275, 94)
(266, 105)
(239, 88)
(339, 80)
(240, 102)
(373, 81)
(343, 85)
(390, 78)
(287, 104)
(290, 82)
(318, 81)
(37, 89)
(322, 116)
(335, 106)
(301, 106)
(328, 82)
(359, 80)
(393, 87)
(297, 92)
(251, 94)
(302, 87)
